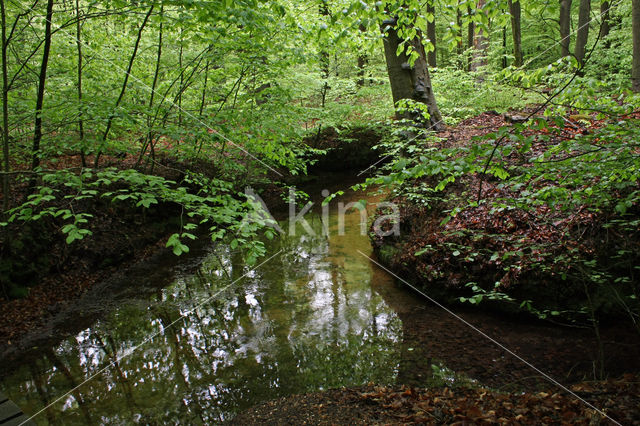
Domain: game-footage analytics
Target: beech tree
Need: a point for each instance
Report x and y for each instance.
(635, 70)
(605, 17)
(471, 30)
(409, 72)
(431, 33)
(582, 33)
(564, 22)
(481, 40)
(5, 110)
(514, 9)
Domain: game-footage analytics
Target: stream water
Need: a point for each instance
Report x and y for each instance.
(225, 336)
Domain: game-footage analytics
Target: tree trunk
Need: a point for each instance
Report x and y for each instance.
(105, 135)
(481, 43)
(514, 8)
(605, 27)
(582, 35)
(324, 56)
(460, 46)
(42, 79)
(471, 29)
(204, 89)
(151, 121)
(410, 82)
(431, 34)
(635, 70)
(565, 26)
(504, 47)
(5, 112)
(180, 54)
(362, 62)
(80, 121)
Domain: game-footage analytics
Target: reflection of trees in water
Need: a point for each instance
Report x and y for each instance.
(317, 316)
(43, 392)
(304, 321)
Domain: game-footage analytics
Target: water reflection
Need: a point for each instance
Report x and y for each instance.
(307, 320)
(318, 315)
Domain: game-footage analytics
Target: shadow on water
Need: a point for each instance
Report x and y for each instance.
(318, 315)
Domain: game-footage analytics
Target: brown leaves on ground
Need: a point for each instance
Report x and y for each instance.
(534, 247)
(482, 406)
(618, 400)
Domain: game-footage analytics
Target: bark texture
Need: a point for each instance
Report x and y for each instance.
(42, 80)
(5, 112)
(565, 26)
(516, 31)
(605, 18)
(481, 44)
(582, 35)
(635, 70)
(410, 82)
(471, 29)
(431, 34)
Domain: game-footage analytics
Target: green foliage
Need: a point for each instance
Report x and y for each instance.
(570, 177)
(461, 96)
(206, 204)
(238, 85)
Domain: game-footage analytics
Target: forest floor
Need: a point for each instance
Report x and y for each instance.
(618, 399)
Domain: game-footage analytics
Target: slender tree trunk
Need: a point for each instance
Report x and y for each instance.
(324, 56)
(635, 70)
(180, 53)
(516, 32)
(5, 112)
(203, 100)
(204, 89)
(156, 73)
(471, 29)
(105, 135)
(362, 63)
(582, 35)
(565, 26)
(410, 82)
(481, 44)
(460, 46)
(504, 47)
(42, 79)
(150, 121)
(431, 34)
(605, 26)
(80, 121)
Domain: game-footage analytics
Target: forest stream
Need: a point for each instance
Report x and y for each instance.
(316, 314)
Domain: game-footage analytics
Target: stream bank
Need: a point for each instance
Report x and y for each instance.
(202, 338)
(43, 277)
(475, 237)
